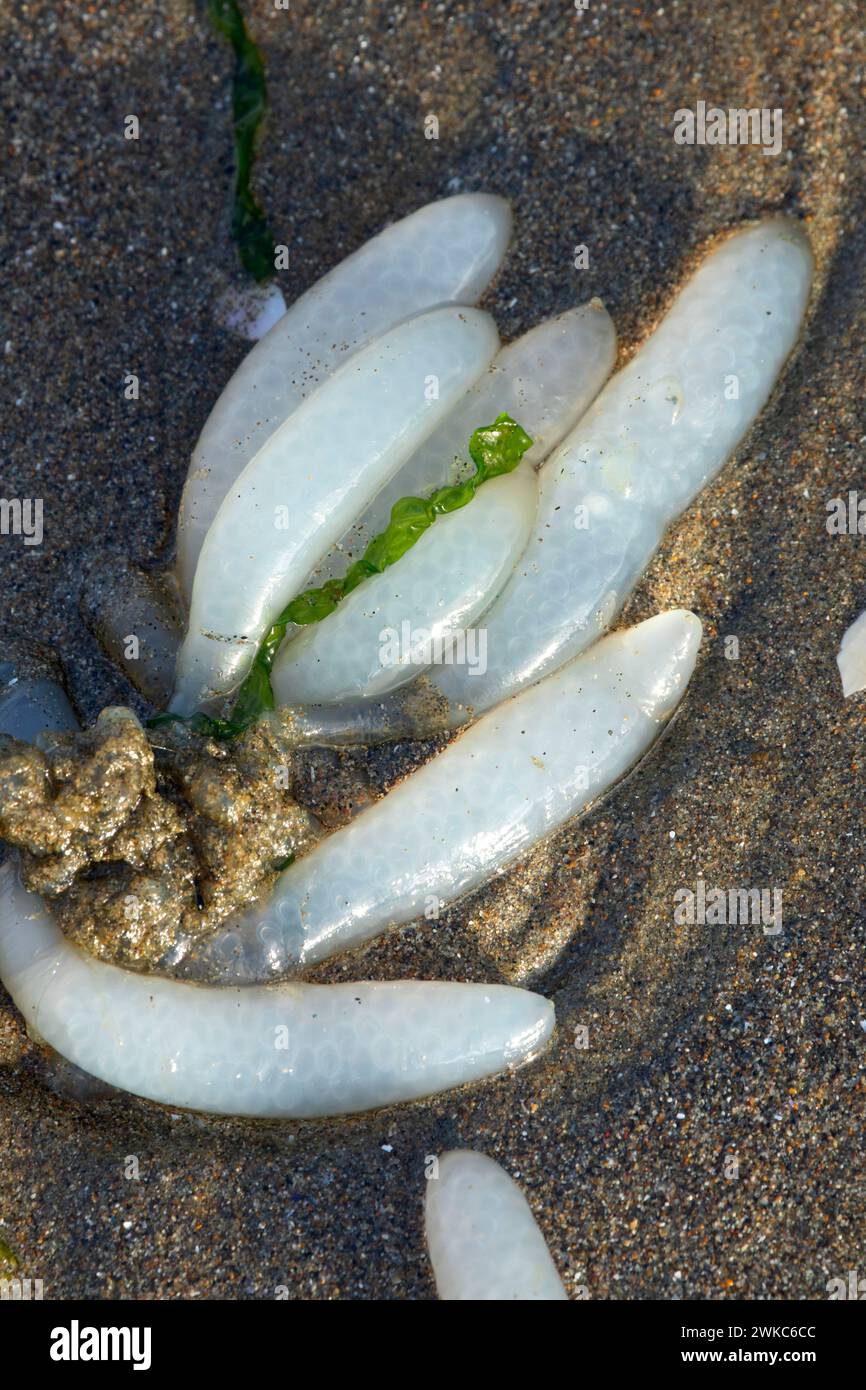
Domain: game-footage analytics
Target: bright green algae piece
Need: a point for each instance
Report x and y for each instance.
(494, 449)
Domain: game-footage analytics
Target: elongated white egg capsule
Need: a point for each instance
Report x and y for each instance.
(396, 624)
(316, 472)
(285, 1051)
(445, 252)
(851, 658)
(545, 380)
(483, 1240)
(497, 790)
(660, 429)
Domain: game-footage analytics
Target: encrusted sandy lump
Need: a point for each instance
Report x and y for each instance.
(141, 846)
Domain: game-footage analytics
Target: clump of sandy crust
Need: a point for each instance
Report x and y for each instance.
(144, 842)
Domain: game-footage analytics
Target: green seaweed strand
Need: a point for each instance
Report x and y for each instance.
(249, 104)
(494, 449)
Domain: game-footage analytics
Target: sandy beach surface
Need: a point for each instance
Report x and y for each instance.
(705, 1044)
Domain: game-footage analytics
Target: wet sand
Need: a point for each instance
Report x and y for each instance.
(705, 1043)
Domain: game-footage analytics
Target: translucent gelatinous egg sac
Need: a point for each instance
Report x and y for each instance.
(318, 470)
(545, 380)
(851, 658)
(446, 252)
(483, 1240)
(497, 790)
(660, 429)
(31, 703)
(291, 1050)
(395, 624)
